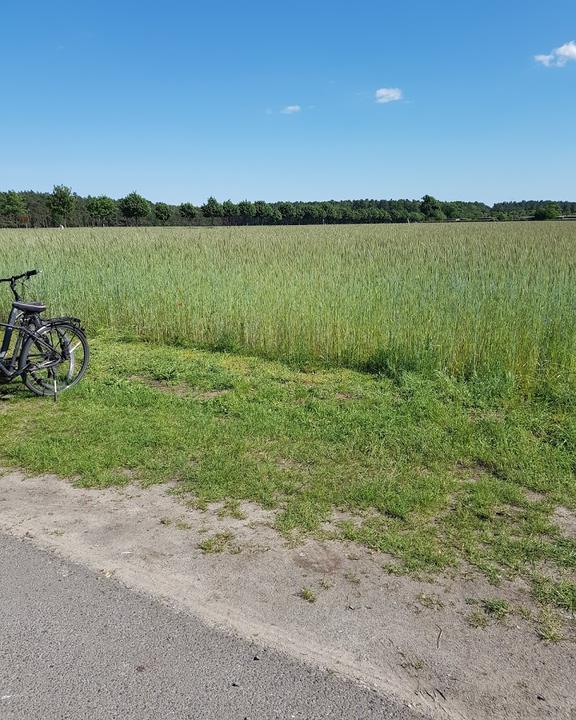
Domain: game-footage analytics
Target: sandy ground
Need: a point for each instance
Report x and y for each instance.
(406, 638)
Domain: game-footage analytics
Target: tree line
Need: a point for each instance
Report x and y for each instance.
(63, 207)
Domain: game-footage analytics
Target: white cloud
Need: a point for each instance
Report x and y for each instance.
(388, 95)
(544, 59)
(559, 56)
(291, 109)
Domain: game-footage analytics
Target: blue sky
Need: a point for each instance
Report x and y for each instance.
(181, 100)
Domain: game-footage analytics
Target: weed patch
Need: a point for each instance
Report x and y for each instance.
(308, 594)
(219, 543)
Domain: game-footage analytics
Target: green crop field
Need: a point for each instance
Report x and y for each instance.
(466, 298)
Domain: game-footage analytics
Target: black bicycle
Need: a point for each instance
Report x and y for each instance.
(50, 355)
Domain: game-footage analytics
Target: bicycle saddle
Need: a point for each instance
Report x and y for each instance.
(29, 307)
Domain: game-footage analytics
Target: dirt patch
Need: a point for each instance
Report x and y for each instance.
(471, 472)
(209, 394)
(364, 623)
(533, 496)
(325, 558)
(128, 473)
(566, 520)
(309, 379)
(289, 464)
(179, 389)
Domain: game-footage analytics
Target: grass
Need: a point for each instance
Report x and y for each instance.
(496, 608)
(326, 584)
(455, 448)
(561, 593)
(219, 543)
(469, 299)
(477, 619)
(352, 578)
(549, 627)
(436, 471)
(308, 594)
(432, 602)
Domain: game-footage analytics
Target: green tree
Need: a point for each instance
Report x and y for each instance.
(550, 211)
(162, 212)
(102, 209)
(430, 208)
(12, 206)
(332, 213)
(134, 207)
(315, 213)
(61, 204)
(212, 209)
(272, 216)
(260, 210)
(452, 210)
(188, 211)
(297, 213)
(229, 211)
(287, 211)
(246, 211)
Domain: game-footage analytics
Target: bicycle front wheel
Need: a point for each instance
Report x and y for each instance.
(56, 360)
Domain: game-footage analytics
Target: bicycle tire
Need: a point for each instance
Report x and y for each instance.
(45, 381)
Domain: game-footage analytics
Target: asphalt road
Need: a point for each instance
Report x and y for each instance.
(76, 645)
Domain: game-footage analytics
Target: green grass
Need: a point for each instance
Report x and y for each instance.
(433, 470)
(549, 627)
(561, 593)
(496, 608)
(490, 299)
(219, 543)
(308, 594)
(456, 448)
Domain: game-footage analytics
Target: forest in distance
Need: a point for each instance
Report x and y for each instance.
(65, 207)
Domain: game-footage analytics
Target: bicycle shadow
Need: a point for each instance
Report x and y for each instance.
(12, 393)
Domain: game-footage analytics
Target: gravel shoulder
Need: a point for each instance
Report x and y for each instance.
(407, 639)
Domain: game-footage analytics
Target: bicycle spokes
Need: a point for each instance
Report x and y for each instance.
(56, 361)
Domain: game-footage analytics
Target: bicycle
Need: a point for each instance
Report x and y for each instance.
(49, 354)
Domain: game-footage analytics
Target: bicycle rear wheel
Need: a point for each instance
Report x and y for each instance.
(56, 361)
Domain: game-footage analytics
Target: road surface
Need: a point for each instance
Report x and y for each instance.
(76, 645)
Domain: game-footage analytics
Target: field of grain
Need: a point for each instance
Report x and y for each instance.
(469, 298)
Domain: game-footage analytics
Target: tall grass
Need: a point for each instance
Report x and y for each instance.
(469, 298)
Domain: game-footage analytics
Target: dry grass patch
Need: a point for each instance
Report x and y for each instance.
(219, 543)
(172, 388)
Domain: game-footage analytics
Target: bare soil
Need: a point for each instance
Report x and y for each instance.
(566, 521)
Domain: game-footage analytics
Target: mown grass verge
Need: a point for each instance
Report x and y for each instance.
(433, 470)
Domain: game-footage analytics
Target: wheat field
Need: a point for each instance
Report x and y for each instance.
(465, 298)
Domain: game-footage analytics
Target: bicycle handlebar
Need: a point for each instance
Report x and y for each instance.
(14, 278)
